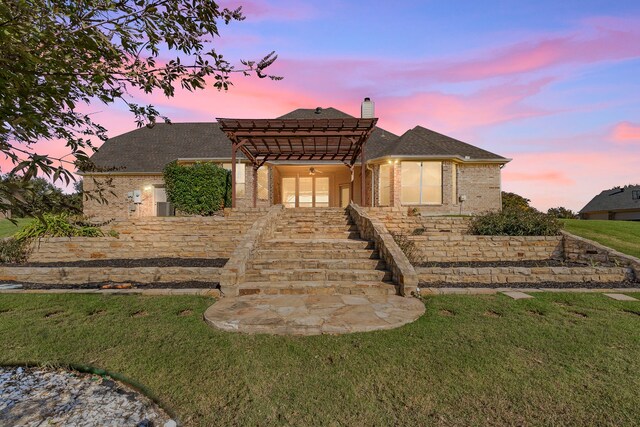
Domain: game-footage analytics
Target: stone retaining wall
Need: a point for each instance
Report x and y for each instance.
(75, 275)
(173, 237)
(403, 272)
(234, 270)
(494, 275)
(467, 248)
(586, 251)
(397, 220)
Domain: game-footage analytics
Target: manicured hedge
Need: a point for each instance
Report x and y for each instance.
(515, 222)
(198, 189)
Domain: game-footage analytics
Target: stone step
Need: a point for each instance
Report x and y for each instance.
(320, 274)
(316, 263)
(317, 288)
(291, 234)
(305, 228)
(318, 224)
(322, 243)
(267, 254)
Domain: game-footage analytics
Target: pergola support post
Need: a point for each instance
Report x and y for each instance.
(363, 175)
(234, 147)
(255, 185)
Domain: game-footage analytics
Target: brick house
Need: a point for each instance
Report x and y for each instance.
(421, 169)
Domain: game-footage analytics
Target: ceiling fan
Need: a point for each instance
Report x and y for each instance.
(312, 171)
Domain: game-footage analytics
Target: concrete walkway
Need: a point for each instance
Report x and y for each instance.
(312, 314)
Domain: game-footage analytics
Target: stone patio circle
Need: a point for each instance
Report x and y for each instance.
(312, 314)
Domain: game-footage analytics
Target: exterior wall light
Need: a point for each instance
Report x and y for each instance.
(148, 188)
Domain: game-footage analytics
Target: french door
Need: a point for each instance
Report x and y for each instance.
(304, 191)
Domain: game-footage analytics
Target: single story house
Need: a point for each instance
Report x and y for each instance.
(319, 157)
(620, 203)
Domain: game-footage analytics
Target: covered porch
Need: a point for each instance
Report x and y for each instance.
(312, 163)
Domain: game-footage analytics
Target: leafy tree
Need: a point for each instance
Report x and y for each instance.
(57, 57)
(41, 196)
(562, 212)
(515, 201)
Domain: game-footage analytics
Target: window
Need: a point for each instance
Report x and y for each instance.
(384, 185)
(263, 183)
(240, 177)
(635, 194)
(421, 183)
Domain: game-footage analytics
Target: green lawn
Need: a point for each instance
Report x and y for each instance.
(623, 236)
(558, 359)
(7, 228)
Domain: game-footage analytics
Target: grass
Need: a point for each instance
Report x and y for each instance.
(7, 228)
(558, 359)
(623, 236)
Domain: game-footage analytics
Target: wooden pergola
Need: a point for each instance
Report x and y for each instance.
(263, 140)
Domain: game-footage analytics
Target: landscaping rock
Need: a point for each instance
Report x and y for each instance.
(40, 396)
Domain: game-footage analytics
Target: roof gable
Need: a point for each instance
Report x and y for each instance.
(420, 141)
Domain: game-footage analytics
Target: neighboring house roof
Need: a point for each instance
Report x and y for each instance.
(148, 150)
(615, 199)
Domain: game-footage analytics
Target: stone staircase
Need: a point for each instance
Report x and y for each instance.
(316, 251)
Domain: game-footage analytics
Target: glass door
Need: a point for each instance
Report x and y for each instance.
(305, 192)
(321, 192)
(289, 192)
(345, 195)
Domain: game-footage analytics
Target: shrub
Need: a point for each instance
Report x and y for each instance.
(56, 225)
(562, 212)
(515, 201)
(198, 189)
(13, 250)
(515, 222)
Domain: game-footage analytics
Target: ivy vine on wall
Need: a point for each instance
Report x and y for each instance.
(198, 189)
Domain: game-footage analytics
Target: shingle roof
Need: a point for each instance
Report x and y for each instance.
(420, 141)
(613, 200)
(150, 149)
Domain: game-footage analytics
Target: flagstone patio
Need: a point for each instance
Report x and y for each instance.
(313, 314)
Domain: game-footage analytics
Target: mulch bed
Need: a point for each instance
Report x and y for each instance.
(131, 263)
(552, 285)
(523, 263)
(127, 285)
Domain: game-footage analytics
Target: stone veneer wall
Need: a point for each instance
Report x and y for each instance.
(155, 237)
(373, 229)
(466, 248)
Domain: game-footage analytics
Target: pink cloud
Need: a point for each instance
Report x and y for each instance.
(570, 178)
(626, 133)
(545, 177)
(257, 10)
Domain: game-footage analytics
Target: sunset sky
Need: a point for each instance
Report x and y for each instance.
(555, 85)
